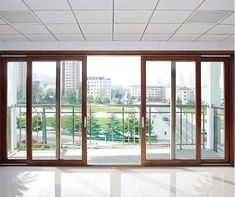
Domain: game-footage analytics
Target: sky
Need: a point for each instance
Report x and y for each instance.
(125, 70)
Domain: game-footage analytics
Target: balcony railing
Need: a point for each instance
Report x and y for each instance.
(120, 124)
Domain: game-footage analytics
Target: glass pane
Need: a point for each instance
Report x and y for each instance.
(71, 110)
(158, 96)
(16, 110)
(185, 111)
(44, 110)
(113, 95)
(212, 89)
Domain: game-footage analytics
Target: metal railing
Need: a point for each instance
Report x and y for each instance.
(128, 119)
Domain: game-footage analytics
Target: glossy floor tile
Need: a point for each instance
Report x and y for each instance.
(115, 182)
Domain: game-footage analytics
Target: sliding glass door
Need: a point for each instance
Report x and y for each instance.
(169, 110)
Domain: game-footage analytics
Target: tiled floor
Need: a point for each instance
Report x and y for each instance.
(117, 182)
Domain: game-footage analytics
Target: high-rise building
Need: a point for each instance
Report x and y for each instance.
(99, 86)
(71, 76)
(21, 73)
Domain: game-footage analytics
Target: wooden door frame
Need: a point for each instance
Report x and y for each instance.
(161, 162)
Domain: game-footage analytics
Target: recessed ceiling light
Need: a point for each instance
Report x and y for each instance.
(208, 16)
(18, 17)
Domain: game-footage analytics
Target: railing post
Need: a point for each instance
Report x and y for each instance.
(203, 127)
(90, 124)
(112, 127)
(215, 130)
(149, 127)
(186, 128)
(20, 126)
(44, 126)
(73, 127)
(181, 130)
(123, 126)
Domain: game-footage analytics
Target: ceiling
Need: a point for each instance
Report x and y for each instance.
(117, 20)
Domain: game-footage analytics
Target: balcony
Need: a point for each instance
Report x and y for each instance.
(113, 132)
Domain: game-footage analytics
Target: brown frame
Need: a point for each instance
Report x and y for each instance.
(168, 55)
(228, 105)
(165, 162)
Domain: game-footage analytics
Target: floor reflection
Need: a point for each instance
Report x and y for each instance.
(116, 182)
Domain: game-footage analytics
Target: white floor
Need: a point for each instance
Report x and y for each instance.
(117, 182)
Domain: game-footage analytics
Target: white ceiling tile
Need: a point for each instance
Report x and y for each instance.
(2, 22)
(97, 28)
(164, 16)
(208, 37)
(179, 4)
(208, 16)
(64, 28)
(217, 5)
(31, 28)
(156, 37)
(41, 37)
(135, 4)
(194, 28)
(7, 29)
(98, 37)
(127, 37)
(48, 4)
(94, 16)
(184, 37)
(222, 29)
(56, 16)
(91, 4)
(129, 28)
(132, 16)
(229, 20)
(69, 37)
(229, 39)
(18, 17)
(13, 38)
(162, 28)
(12, 5)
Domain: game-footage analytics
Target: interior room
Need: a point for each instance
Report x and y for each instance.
(117, 98)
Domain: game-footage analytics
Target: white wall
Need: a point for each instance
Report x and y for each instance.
(117, 45)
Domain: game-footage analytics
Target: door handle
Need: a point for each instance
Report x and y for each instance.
(84, 122)
(142, 122)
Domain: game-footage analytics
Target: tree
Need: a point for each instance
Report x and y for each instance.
(50, 96)
(37, 93)
(21, 95)
(70, 97)
(178, 101)
(93, 125)
(113, 126)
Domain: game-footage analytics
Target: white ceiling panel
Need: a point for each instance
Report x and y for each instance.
(41, 37)
(162, 28)
(129, 28)
(13, 38)
(69, 37)
(94, 16)
(48, 4)
(229, 39)
(12, 5)
(97, 28)
(98, 37)
(135, 4)
(164, 16)
(31, 28)
(18, 17)
(208, 16)
(179, 4)
(217, 5)
(2, 22)
(222, 29)
(194, 28)
(132, 16)
(208, 37)
(91, 4)
(127, 37)
(156, 37)
(56, 16)
(7, 29)
(64, 28)
(184, 37)
(229, 20)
